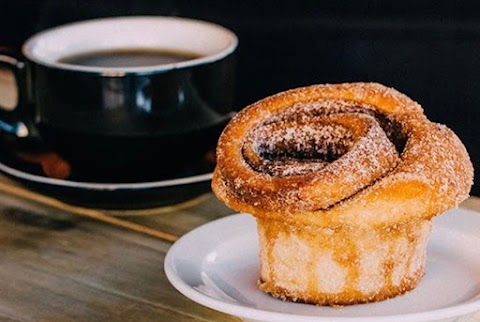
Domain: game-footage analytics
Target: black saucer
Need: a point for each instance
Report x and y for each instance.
(180, 185)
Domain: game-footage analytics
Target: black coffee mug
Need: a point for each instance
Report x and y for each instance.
(125, 119)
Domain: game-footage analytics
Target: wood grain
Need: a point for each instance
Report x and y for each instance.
(55, 267)
(94, 214)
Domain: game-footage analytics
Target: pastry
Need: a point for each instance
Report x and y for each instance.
(344, 181)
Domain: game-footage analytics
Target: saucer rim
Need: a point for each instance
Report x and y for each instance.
(15, 173)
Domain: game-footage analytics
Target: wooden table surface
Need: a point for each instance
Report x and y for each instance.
(55, 266)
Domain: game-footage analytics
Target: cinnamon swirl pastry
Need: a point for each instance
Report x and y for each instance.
(343, 181)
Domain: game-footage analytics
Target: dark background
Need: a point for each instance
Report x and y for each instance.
(430, 50)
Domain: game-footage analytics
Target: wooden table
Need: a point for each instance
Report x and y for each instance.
(55, 266)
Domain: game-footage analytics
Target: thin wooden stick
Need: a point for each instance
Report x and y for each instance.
(84, 212)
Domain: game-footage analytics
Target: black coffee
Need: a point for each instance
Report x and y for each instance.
(128, 57)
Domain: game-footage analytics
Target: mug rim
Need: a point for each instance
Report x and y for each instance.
(32, 41)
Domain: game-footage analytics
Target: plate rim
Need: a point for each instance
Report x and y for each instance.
(104, 186)
(264, 315)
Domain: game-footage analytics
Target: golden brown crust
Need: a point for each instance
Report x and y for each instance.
(341, 266)
(342, 299)
(433, 172)
(344, 181)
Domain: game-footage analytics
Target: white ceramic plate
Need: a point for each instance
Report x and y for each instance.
(216, 265)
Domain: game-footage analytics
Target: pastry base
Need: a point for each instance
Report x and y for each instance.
(343, 265)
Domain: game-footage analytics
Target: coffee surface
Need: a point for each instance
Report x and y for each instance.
(128, 57)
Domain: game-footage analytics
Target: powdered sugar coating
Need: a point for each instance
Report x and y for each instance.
(426, 170)
(292, 148)
(322, 149)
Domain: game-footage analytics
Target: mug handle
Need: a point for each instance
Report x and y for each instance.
(10, 120)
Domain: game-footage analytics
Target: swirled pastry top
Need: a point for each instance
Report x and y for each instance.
(327, 155)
